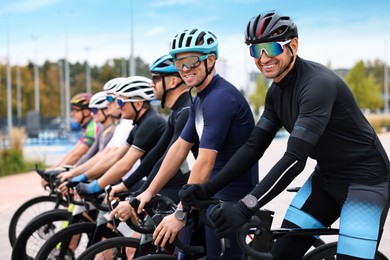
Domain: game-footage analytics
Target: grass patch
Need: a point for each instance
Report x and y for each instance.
(12, 160)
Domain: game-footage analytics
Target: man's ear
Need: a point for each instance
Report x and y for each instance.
(294, 45)
(211, 60)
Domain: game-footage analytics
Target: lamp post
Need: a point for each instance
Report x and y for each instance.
(9, 95)
(36, 76)
(18, 96)
(87, 72)
(131, 61)
(386, 83)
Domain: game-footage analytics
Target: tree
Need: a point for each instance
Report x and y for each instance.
(364, 86)
(257, 99)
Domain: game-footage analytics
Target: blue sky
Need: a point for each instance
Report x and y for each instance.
(336, 32)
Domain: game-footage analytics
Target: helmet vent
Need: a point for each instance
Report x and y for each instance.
(181, 40)
(188, 42)
(200, 39)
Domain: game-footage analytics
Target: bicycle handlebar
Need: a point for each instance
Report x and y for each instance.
(241, 240)
(157, 216)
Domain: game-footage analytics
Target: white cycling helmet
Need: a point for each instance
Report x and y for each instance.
(136, 87)
(110, 85)
(99, 100)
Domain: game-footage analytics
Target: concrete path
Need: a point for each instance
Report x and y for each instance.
(18, 188)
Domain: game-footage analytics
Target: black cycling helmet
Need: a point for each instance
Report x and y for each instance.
(270, 27)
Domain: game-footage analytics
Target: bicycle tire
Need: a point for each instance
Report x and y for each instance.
(112, 243)
(328, 251)
(26, 212)
(38, 231)
(52, 247)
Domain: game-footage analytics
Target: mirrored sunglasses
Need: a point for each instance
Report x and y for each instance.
(190, 62)
(110, 99)
(94, 110)
(272, 49)
(121, 102)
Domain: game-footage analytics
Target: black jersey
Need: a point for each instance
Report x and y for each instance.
(147, 131)
(325, 123)
(152, 162)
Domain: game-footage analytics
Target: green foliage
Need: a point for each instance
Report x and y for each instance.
(365, 87)
(12, 161)
(257, 99)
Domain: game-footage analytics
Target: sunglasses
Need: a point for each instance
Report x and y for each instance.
(121, 102)
(271, 48)
(110, 99)
(75, 109)
(190, 62)
(156, 78)
(94, 110)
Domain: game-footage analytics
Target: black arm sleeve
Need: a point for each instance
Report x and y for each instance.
(285, 170)
(242, 160)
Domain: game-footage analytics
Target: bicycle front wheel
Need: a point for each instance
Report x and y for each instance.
(37, 232)
(27, 211)
(112, 248)
(67, 243)
(328, 251)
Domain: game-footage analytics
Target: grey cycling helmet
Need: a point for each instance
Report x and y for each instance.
(270, 27)
(195, 40)
(136, 87)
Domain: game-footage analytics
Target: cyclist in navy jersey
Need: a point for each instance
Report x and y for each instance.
(351, 179)
(220, 118)
(134, 96)
(173, 93)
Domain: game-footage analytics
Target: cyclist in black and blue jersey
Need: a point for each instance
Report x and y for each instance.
(351, 179)
(170, 89)
(220, 118)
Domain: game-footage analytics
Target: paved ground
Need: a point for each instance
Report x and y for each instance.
(17, 189)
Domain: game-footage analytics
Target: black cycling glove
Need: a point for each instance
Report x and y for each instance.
(229, 216)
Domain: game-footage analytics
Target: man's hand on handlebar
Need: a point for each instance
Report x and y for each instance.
(123, 211)
(229, 216)
(194, 195)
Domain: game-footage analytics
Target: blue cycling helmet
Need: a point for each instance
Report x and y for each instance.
(163, 65)
(195, 40)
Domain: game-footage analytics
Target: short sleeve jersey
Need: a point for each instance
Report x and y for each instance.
(222, 120)
(122, 131)
(90, 133)
(147, 131)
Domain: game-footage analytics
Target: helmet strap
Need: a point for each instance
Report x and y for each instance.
(136, 113)
(207, 72)
(105, 116)
(165, 93)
